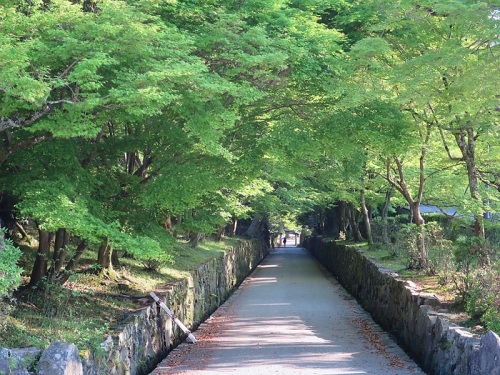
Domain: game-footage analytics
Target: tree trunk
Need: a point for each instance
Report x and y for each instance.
(220, 233)
(385, 214)
(367, 222)
(234, 226)
(195, 239)
(168, 224)
(330, 221)
(357, 219)
(253, 229)
(59, 254)
(58, 245)
(39, 270)
(342, 219)
(21, 230)
(322, 224)
(104, 256)
(416, 216)
(401, 186)
(129, 162)
(115, 260)
(364, 211)
(71, 266)
(466, 142)
(144, 165)
(353, 217)
(419, 221)
(64, 252)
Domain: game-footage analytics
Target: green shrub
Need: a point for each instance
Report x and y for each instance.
(482, 295)
(491, 318)
(438, 250)
(10, 272)
(394, 225)
(10, 276)
(405, 245)
(471, 253)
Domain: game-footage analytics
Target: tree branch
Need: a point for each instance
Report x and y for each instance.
(442, 169)
(30, 142)
(448, 152)
(15, 122)
(62, 101)
(68, 69)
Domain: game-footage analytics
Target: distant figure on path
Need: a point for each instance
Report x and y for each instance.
(284, 242)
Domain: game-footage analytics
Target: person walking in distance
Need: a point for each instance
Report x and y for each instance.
(284, 242)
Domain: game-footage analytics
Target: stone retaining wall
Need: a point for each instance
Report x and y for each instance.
(146, 336)
(415, 319)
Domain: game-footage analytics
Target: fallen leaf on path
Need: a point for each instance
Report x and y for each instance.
(374, 339)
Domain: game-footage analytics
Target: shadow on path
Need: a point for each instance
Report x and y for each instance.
(289, 317)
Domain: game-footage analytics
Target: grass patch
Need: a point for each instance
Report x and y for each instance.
(425, 283)
(381, 255)
(85, 309)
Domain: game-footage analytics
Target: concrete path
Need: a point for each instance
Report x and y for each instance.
(289, 317)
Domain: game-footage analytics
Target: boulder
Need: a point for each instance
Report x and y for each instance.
(18, 361)
(60, 359)
(486, 359)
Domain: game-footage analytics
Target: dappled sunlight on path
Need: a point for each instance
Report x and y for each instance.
(289, 317)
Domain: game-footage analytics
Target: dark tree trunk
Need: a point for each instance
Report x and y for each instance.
(220, 233)
(115, 260)
(322, 223)
(146, 162)
(59, 254)
(385, 214)
(104, 256)
(195, 238)
(342, 219)
(330, 222)
(358, 217)
(365, 212)
(39, 270)
(353, 217)
(71, 266)
(253, 229)
(129, 162)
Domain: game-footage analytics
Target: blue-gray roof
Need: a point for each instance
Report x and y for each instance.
(429, 209)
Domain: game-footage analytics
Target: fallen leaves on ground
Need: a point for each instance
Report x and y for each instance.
(196, 356)
(374, 339)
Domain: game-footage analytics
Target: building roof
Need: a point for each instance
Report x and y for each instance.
(430, 209)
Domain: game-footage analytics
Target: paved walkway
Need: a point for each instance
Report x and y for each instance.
(289, 317)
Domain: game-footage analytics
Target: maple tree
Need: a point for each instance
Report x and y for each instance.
(127, 123)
